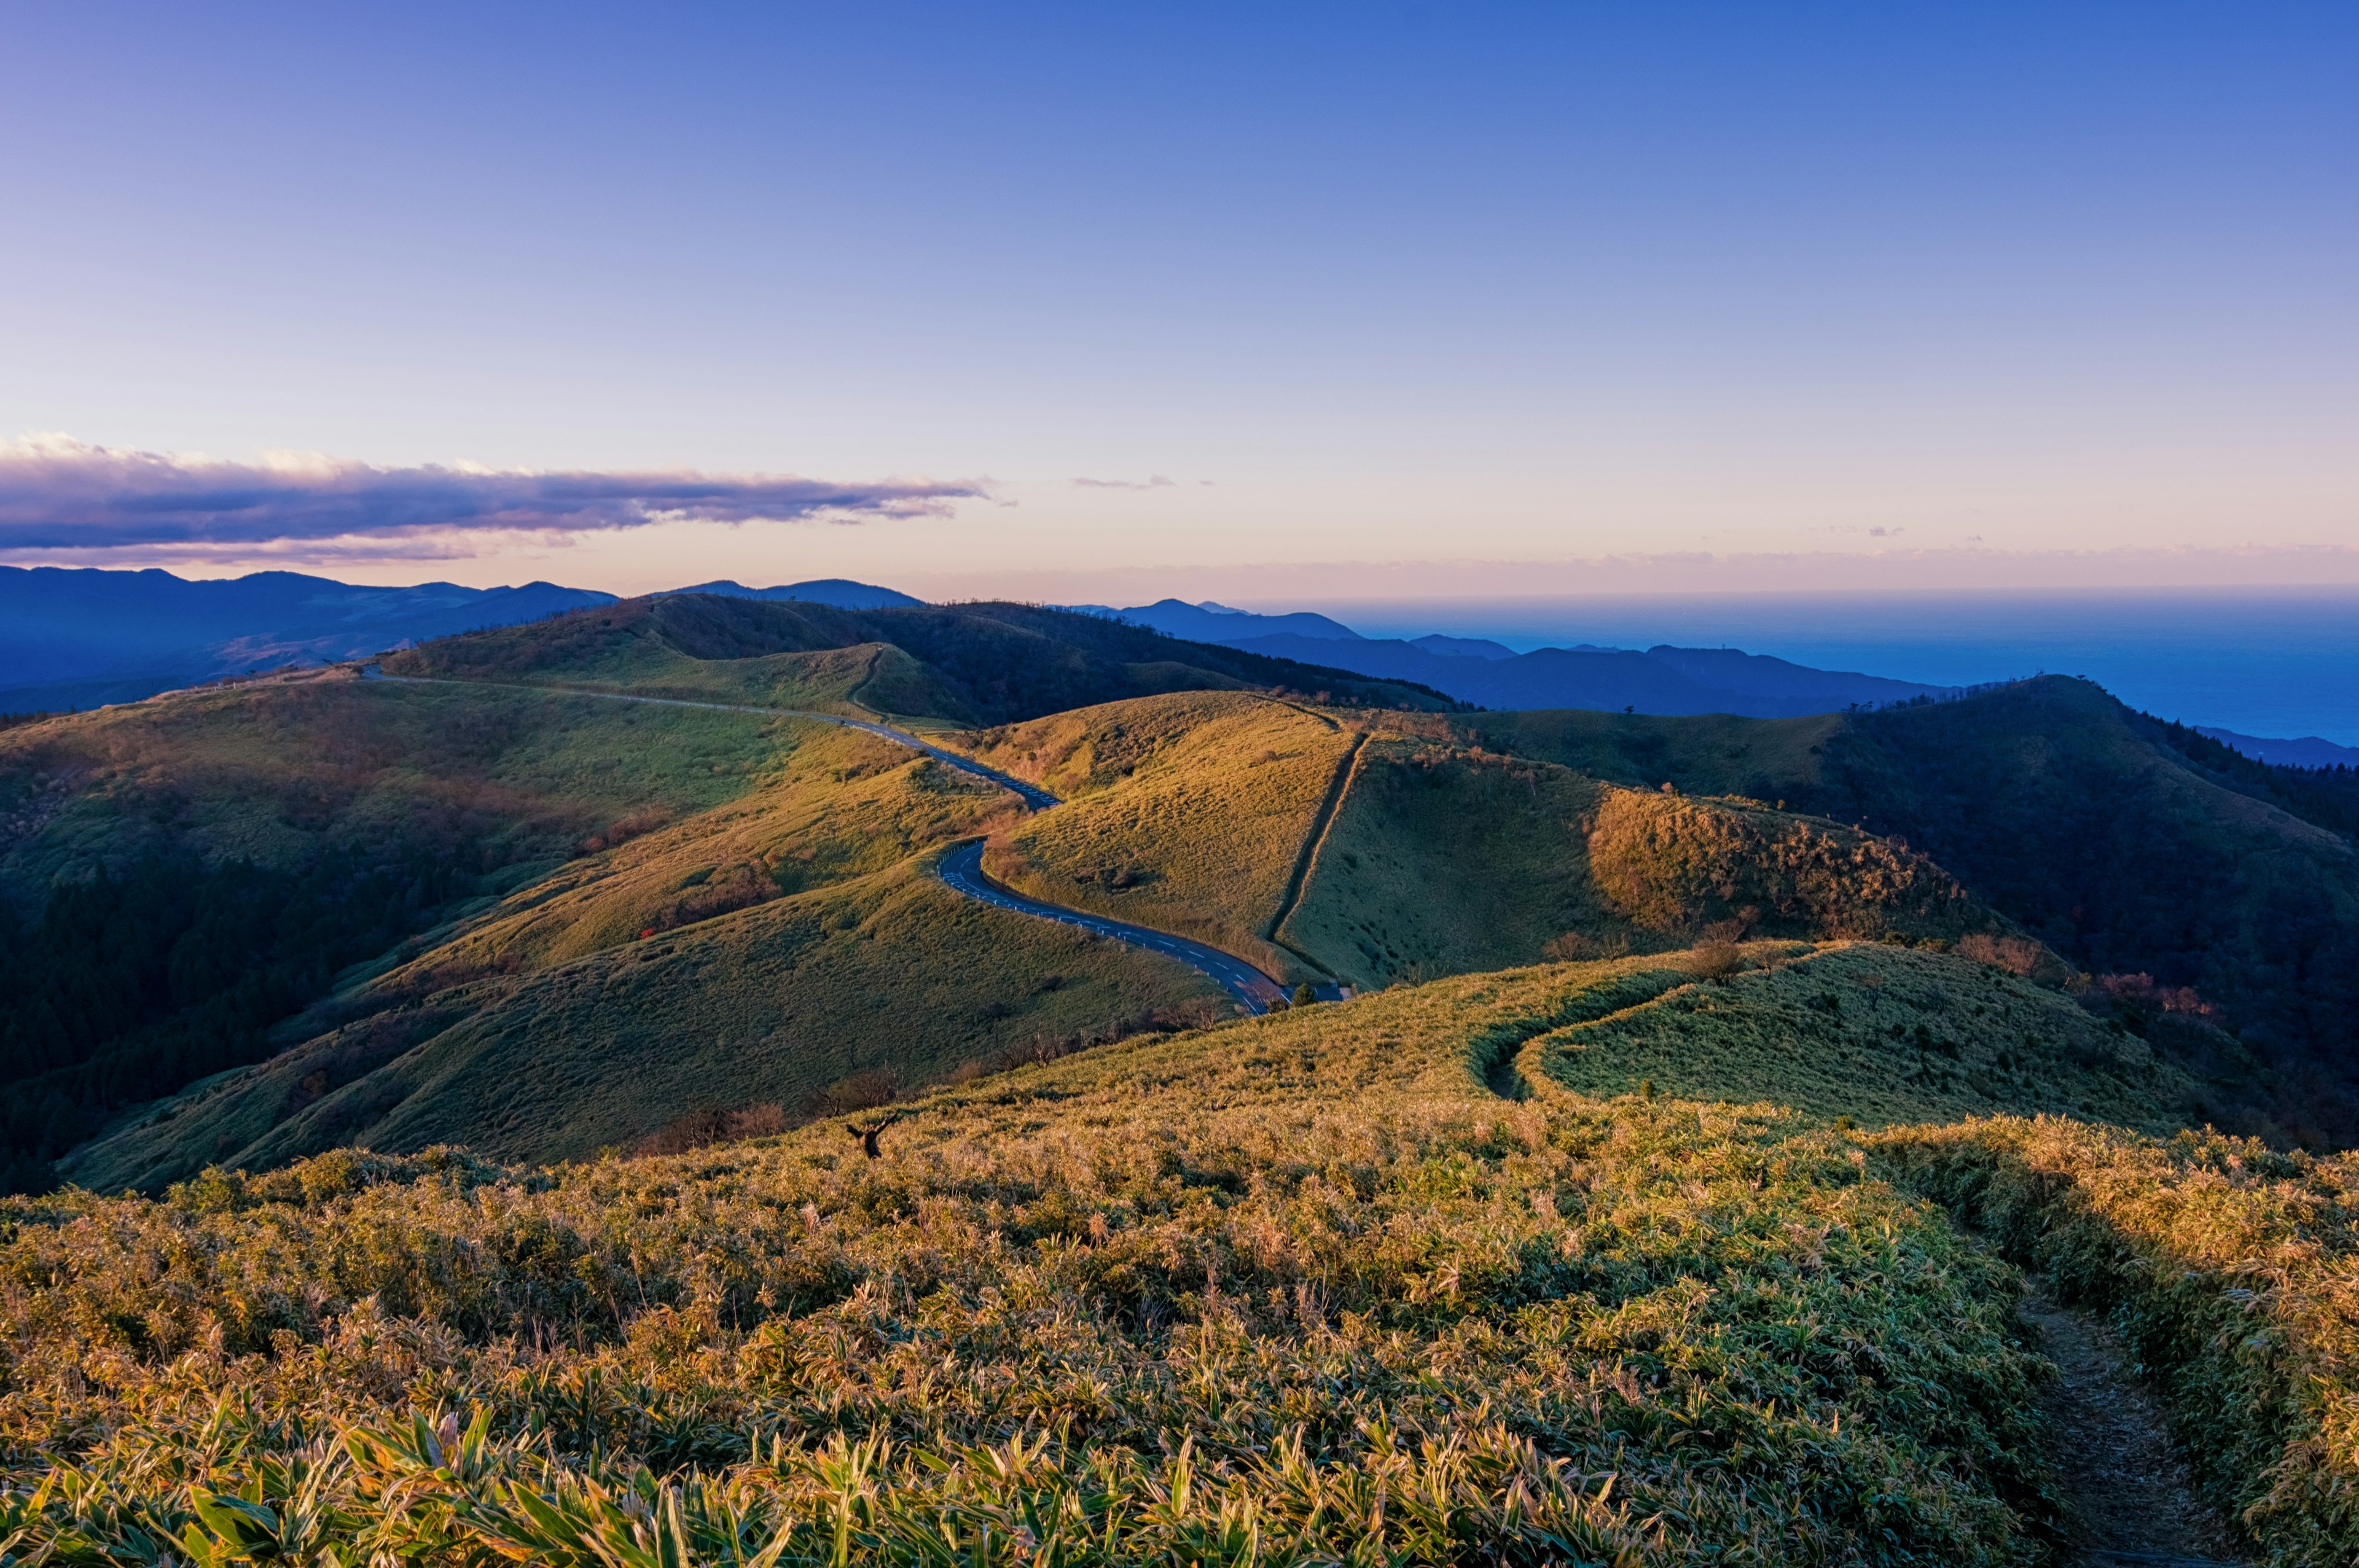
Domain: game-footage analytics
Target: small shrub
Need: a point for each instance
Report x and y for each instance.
(1716, 961)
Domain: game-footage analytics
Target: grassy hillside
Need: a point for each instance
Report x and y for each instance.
(2129, 847)
(863, 988)
(178, 876)
(1878, 1034)
(966, 663)
(1301, 1288)
(1189, 814)
(1298, 1289)
(1373, 848)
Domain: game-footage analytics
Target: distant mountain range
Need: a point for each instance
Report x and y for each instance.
(2308, 752)
(1664, 680)
(79, 638)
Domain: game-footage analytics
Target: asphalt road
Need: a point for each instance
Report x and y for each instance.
(962, 869)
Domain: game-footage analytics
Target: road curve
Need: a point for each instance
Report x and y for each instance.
(962, 869)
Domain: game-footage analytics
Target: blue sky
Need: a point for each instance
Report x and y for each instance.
(1472, 294)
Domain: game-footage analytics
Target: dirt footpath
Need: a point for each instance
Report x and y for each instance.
(2133, 1503)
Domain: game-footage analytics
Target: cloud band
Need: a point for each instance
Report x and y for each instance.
(59, 494)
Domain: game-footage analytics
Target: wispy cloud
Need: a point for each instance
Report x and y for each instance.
(61, 493)
(1152, 481)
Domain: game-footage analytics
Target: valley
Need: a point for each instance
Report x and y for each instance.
(1312, 1119)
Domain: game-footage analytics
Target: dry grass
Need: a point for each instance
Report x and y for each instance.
(1297, 1290)
(1186, 812)
(2232, 1271)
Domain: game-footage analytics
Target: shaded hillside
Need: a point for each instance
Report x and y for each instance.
(2130, 846)
(178, 876)
(834, 999)
(966, 663)
(2066, 810)
(1393, 1315)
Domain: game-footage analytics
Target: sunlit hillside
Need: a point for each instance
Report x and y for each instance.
(1306, 1288)
(1373, 848)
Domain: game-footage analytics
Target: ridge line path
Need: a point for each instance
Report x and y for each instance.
(961, 869)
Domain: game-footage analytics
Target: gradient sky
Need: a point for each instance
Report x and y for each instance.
(1462, 298)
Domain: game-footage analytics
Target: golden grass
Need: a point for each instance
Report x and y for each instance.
(2233, 1273)
(1298, 1289)
(891, 974)
(1186, 812)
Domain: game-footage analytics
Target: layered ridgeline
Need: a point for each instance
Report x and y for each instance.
(1457, 1272)
(180, 878)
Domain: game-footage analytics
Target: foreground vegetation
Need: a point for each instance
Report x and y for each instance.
(1298, 1289)
(2231, 1267)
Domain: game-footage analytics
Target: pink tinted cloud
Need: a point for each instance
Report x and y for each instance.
(59, 494)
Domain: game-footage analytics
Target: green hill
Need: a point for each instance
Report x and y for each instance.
(180, 877)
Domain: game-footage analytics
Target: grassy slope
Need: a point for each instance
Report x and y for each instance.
(272, 770)
(1866, 1031)
(509, 785)
(1190, 814)
(830, 805)
(2075, 817)
(889, 973)
(1316, 1245)
(1185, 813)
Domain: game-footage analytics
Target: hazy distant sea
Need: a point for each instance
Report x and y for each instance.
(2274, 662)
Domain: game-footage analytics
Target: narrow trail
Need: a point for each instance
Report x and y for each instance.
(1307, 858)
(962, 869)
(2133, 1503)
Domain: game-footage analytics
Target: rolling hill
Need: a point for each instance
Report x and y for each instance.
(1659, 1199)
(2129, 846)
(964, 664)
(180, 878)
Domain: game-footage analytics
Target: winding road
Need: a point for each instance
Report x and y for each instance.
(962, 869)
